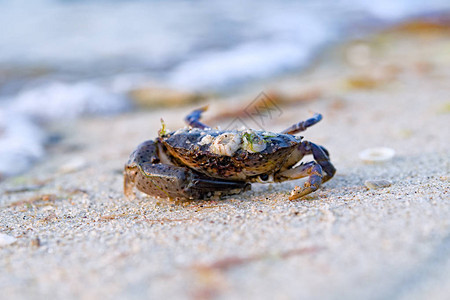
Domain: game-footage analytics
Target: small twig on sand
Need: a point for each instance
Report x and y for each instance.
(23, 189)
(234, 261)
(162, 220)
(33, 200)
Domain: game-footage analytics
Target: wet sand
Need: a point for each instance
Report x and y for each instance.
(77, 236)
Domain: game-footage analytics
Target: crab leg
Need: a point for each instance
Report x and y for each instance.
(193, 119)
(301, 126)
(178, 182)
(322, 157)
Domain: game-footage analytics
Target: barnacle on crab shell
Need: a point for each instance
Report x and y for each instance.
(226, 144)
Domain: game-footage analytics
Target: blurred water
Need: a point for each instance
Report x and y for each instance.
(179, 41)
(62, 59)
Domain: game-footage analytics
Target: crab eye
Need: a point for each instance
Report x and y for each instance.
(264, 177)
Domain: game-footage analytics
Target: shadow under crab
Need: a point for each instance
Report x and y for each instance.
(199, 162)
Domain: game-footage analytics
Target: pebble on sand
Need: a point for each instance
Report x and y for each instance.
(377, 184)
(73, 165)
(6, 240)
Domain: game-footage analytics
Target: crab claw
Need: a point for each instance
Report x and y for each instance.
(311, 185)
(307, 188)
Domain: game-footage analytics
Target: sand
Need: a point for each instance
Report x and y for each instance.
(77, 236)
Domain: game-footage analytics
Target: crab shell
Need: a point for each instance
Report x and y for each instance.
(220, 154)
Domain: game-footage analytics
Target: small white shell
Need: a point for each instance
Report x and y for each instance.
(73, 165)
(226, 144)
(6, 240)
(379, 154)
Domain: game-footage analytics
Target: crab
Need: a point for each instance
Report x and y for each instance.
(199, 162)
